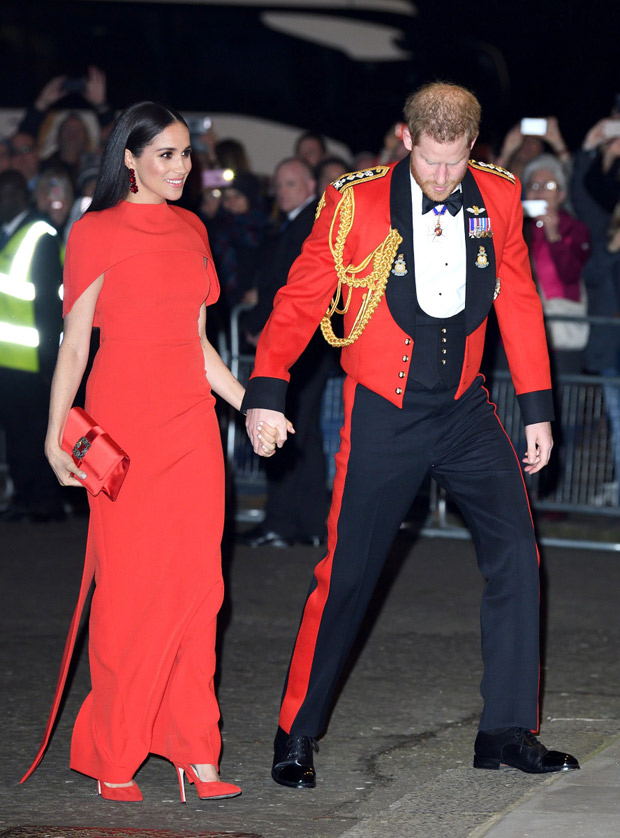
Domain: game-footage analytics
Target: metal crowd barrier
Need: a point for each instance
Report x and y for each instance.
(247, 471)
(581, 478)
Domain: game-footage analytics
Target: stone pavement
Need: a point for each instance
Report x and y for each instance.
(582, 804)
(396, 761)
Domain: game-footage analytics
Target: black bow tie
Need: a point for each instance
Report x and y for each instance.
(453, 203)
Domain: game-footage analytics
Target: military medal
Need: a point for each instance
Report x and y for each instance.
(399, 268)
(438, 213)
(480, 228)
(482, 260)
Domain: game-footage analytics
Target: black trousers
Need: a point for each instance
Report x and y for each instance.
(384, 455)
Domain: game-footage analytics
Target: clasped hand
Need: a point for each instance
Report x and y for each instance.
(267, 429)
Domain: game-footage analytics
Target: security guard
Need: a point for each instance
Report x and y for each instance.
(414, 255)
(30, 327)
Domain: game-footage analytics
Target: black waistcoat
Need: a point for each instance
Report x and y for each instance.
(438, 350)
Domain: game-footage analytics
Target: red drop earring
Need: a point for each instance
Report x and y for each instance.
(133, 186)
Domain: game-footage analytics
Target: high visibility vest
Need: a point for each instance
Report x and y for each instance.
(19, 337)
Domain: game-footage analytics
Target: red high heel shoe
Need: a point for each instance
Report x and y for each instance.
(120, 794)
(211, 790)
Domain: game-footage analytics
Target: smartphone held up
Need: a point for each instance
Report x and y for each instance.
(534, 207)
(533, 127)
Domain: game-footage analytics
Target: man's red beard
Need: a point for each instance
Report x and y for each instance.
(428, 188)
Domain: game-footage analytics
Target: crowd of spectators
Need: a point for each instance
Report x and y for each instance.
(571, 207)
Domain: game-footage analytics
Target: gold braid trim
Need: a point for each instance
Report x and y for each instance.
(495, 170)
(319, 207)
(381, 260)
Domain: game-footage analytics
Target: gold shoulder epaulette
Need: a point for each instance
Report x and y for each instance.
(355, 177)
(495, 170)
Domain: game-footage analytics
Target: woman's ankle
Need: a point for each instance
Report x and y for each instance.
(206, 773)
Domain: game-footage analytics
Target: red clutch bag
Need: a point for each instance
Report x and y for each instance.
(94, 451)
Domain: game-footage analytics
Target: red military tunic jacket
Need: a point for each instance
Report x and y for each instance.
(498, 273)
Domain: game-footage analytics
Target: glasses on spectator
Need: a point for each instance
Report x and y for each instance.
(22, 149)
(547, 186)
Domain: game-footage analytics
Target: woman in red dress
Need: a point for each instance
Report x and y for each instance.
(141, 269)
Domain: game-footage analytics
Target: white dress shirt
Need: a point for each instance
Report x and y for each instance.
(439, 260)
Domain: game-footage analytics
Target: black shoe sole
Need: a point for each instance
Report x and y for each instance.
(486, 762)
(495, 765)
(289, 784)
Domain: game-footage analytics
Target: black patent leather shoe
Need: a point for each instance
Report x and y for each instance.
(293, 760)
(259, 537)
(519, 748)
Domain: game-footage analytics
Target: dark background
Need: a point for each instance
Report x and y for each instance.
(521, 59)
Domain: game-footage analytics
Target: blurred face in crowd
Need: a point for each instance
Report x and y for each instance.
(293, 185)
(54, 197)
(311, 151)
(25, 154)
(531, 147)
(542, 185)
(234, 201)
(162, 168)
(329, 173)
(438, 168)
(72, 138)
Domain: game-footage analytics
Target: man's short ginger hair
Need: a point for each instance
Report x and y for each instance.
(444, 111)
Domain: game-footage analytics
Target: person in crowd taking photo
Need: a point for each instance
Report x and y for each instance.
(141, 269)
(520, 147)
(559, 246)
(415, 254)
(596, 196)
(72, 138)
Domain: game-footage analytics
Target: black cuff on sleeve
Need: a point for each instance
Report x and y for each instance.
(536, 406)
(262, 391)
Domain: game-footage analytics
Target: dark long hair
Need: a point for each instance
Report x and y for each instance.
(136, 127)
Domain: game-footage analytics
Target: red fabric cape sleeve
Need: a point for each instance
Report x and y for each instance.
(87, 255)
(195, 222)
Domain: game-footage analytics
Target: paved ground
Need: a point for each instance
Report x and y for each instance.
(397, 758)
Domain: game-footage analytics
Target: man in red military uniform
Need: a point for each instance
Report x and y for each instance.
(414, 255)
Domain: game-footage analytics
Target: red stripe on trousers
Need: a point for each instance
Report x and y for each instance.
(303, 654)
